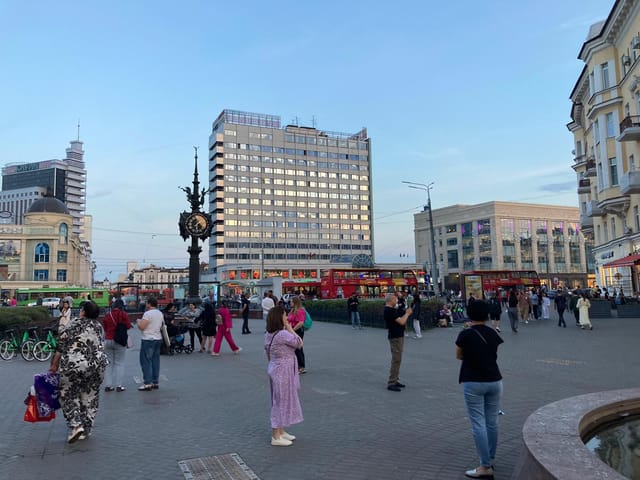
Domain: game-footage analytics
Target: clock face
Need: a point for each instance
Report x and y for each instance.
(197, 223)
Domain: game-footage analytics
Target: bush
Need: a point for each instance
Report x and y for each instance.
(336, 311)
(22, 317)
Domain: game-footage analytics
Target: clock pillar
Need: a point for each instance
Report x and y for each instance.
(196, 225)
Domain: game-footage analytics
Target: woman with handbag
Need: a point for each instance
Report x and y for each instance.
(208, 321)
(115, 324)
(193, 317)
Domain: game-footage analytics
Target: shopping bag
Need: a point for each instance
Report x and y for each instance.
(47, 390)
(31, 414)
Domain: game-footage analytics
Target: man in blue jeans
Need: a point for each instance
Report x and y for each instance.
(354, 315)
(150, 325)
(477, 347)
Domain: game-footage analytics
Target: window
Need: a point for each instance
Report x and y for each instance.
(610, 125)
(61, 275)
(451, 228)
(42, 253)
(452, 242)
(632, 163)
(613, 228)
(613, 172)
(596, 131)
(636, 217)
(452, 259)
(600, 178)
(605, 76)
(39, 275)
(62, 256)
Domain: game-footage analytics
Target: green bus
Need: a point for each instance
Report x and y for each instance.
(25, 296)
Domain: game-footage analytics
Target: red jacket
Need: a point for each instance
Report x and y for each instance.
(112, 318)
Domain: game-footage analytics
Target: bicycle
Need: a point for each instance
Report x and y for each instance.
(9, 347)
(43, 350)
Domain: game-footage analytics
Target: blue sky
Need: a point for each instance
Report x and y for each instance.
(472, 96)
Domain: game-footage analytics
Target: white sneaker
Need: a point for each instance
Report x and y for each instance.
(288, 436)
(238, 350)
(75, 434)
(280, 442)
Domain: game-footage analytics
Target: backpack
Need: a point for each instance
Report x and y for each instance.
(307, 321)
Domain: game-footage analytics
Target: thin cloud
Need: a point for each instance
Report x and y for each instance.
(558, 187)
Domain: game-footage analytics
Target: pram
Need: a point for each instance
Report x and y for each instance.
(176, 337)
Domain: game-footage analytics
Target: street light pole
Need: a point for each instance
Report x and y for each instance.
(427, 188)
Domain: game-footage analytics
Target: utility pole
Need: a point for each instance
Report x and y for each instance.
(433, 266)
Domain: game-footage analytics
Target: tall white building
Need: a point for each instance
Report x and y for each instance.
(286, 201)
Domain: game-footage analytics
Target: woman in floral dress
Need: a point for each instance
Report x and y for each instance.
(280, 344)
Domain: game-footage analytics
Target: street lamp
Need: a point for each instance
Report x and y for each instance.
(427, 188)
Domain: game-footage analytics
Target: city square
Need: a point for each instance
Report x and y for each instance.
(354, 428)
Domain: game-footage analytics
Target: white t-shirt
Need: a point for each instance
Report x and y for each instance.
(267, 304)
(152, 332)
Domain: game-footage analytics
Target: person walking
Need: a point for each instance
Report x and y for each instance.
(354, 315)
(395, 324)
(244, 301)
(573, 306)
(524, 306)
(481, 381)
(535, 303)
(224, 331)
(546, 303)
(512, 310)
(194, 326)
(280, 345)
(80, 360)
(267, 304)
(150, 325)
(116, 353)
(561, 305)
(495, 310)
(415, 306)
(583, 306)
(208, 322)
(296, 319)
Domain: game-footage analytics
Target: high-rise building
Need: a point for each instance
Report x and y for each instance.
(605, 123)
(505, 236)
(15, 203)
(286, 201)
(65, 180)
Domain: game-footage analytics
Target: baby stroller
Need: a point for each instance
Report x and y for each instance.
(176, 337)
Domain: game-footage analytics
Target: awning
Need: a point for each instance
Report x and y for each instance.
(623, 262)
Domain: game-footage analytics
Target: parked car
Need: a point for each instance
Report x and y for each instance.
(48, 302)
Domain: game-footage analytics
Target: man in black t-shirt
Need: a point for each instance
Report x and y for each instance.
(395, 323)
(244, 305)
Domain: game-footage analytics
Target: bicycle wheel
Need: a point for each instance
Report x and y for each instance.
(41, 351)
(6, 351)
(26, 350)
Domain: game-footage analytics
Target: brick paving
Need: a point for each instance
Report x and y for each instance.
(354, 428)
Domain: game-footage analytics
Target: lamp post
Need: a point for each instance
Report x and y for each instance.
(427, 188)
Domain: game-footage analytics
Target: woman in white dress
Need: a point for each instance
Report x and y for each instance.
(583, 306)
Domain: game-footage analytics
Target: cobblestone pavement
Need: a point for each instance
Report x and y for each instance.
(354, 428)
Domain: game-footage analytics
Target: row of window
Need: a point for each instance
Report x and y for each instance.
(298, 246)
(360, 237)
(41, 275)
(293, 151)
(295, 193)
(305, 139)
(302, 225)
(296, 214)
(290, 161)
(508, 228)
(41, 254)
(283, 256)
(6, 195)
(288, 171)
(291, 203)
(296, 183)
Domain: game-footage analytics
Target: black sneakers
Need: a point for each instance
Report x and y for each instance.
(394, 387)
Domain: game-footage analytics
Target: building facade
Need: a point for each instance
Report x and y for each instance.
(154, 277)
(286, 201)
(605, 123)
(504, 236)
(65, 180)
(15, 203)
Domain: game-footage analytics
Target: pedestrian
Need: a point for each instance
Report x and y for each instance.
(245, 304)
(495, 310)
(546, 303)
(118, 302)
(395, 324)
(535, 303)
(80, 360)
(561, 305)
(296, 319)
(583, 306)
(354, 315)
(524, 306)
(194, 326)
(208, 323)
(150, 325)
(116, 353)
(415, 306)
(267, 304)
(573, 306)
(481, 381)
(280, 343)
(224, 331)
(65, 315)
(512, 310)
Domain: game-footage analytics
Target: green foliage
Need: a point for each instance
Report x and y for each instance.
(21, 317)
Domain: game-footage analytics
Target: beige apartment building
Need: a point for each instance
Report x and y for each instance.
(505, 236)
(605, 122)
(286, 201)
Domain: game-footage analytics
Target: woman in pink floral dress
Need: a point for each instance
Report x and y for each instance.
(280, 344)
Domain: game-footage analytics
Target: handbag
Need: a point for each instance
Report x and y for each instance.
(31, 414)
(308, 322)
(120, 336)
(165, 335)
(218, 319)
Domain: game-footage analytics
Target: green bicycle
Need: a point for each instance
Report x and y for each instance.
(43, 350)
(9, 347)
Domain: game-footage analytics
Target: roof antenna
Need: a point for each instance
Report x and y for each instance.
(78, 129)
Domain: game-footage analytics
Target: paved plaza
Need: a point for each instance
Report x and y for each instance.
(354, 428)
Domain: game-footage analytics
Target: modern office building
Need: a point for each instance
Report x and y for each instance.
(65, 180)
(286, 201)
(15, 203)
(605, 122)
(505, 236)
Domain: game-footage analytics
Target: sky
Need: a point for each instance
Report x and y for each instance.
(472, 96)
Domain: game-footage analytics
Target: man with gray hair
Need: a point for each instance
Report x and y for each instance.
(395, 322)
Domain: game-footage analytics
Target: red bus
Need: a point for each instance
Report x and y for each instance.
(366, 282)
(479, 282)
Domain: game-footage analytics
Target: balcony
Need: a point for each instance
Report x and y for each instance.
(591, 167)
(593, 210)
(584, 186)
(630, 129)
(630, 183)
(586, 221)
